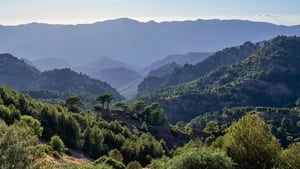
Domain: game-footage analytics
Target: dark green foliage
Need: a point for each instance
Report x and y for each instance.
(49, 121)
(57, 144)
(69, 130)
(154, 115)
(73, 104)
(138, 106)
(93, 142)
(105, 98)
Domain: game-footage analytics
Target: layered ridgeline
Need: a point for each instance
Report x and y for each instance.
(131, 41)
(268, 77)
(180, 59)
(19, 75)
(164, 70)
(191, 72)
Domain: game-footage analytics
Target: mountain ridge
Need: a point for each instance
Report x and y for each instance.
(268, 77)
(187, 73)
(132, 41)
(19, 75)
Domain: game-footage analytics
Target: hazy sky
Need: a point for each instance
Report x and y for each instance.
(14, 12)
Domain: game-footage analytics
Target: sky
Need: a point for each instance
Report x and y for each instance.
(14, 12)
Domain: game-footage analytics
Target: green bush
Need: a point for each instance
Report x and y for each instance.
(250, 143)
(17, 146)
(116, 155)
(108, 161)
(195, 159)
(57, 144)
(33, 123)
(290, 157)
(134, 165)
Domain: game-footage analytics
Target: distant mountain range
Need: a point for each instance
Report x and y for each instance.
(50, 64)
(101, 64)
(116, 77)
(17, 74)
(264, 74)
(164, 70)
(125, 78)
(131, 41)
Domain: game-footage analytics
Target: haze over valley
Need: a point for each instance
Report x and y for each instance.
(149, 84)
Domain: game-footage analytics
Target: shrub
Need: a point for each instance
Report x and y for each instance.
(57, 144)
(134, 165)
(290, 158)
(196, 159)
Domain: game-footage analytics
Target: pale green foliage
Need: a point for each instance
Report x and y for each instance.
(250, 143)
(6, 114)
(33, 123)
(290, 158)
(17, 146)
(108, 161)
(134, 165)
(116, 155)
(195, 159)
(100, 166)
(144, 126)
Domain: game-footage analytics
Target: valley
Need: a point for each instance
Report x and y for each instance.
(130, 94)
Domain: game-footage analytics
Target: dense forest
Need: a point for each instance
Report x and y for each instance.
(125, 135)
(237, 109)
(268, 76)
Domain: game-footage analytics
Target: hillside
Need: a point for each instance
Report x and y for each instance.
(19, 75)
(164, 70)
(16, 73)
(50, 136)
(116, 77)
(131, 41)
(50, 64)
(269, 77)
(101, 64)
(187, 73)
(180, 59)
